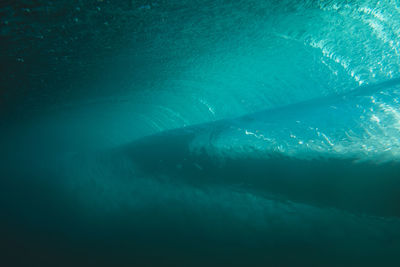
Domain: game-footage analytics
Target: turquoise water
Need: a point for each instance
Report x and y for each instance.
(200, 133)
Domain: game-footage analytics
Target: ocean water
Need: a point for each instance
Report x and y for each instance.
(200, 133)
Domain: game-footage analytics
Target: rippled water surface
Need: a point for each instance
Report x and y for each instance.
(200, 133)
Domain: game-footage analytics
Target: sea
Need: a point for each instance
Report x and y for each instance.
(199, 133)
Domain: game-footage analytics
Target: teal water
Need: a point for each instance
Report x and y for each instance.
(200, 133)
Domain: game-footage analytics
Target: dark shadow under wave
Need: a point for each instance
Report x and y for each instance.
(354, 173)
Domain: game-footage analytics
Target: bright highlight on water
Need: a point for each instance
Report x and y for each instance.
(200, 133)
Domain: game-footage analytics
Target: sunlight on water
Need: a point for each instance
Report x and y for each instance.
(200, 133)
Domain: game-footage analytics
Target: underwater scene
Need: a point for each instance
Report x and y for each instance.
(200, 133)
